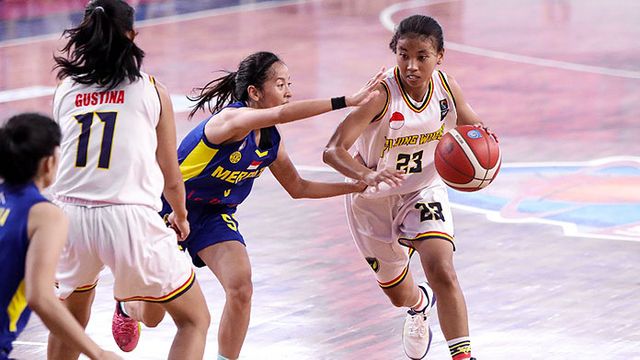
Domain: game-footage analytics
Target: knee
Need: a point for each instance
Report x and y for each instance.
(442, 275)
(240, 292)
(152, 321)
(198, 320)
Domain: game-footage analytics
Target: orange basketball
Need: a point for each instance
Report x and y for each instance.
(467, 158)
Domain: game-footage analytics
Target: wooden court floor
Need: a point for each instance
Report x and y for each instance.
(548, 256)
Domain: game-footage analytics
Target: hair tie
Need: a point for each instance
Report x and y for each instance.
(99, 8)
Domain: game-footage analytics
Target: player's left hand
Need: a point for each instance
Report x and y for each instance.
(367, 92)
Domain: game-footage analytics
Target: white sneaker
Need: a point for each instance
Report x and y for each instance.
(416, 336)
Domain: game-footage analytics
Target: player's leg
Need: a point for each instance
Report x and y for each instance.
(150, 314)
(77, 275)
(191, 316)
(147, 266)
(427, 226)
(229, 262)
(436, 256)
(79, 305)
(372, 226)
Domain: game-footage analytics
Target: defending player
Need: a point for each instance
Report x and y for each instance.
(222, 156)
(397, 132)
(117, 158)
(32, 234)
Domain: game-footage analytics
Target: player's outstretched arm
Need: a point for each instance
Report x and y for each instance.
(47, 230)
(285, 172)
(167, 157)
(336, 153)
(235, 124)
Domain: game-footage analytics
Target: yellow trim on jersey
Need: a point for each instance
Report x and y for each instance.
(197, 160)
(16, 307)
(446, 86)
(386, 105)
(4, 213)
(172, 295)
(153, 80)
(407, 98)
(262, 153)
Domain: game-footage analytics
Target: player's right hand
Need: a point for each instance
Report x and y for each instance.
(392, 178)
(367, 92)
(180, 225)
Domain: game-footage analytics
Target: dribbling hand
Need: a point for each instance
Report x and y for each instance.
(179, 225)
(367, 92)
(491, 133)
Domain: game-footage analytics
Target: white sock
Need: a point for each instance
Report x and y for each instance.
(421, 304)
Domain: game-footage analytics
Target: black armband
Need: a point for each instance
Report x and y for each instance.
(338, 103)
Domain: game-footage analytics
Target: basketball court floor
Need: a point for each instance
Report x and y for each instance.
(548, 255)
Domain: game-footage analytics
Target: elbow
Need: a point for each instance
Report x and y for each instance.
(296, 193)
(173, 185)
(296, 196)
(328, 155)
(35, 302)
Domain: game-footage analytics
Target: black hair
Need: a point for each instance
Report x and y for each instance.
(24, 140)
(418, 25)
(99, 50)
(253, 70)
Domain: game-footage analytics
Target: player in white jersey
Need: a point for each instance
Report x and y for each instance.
(117, 158)
(405, 208)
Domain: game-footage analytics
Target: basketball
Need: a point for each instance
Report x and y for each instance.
(467, 158)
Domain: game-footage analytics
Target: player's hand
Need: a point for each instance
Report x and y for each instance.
(358, 186)
(108, 355)
(491, 133)
(180, 225)
(367, 92)
(392, 178)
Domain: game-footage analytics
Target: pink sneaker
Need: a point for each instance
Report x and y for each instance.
(125, 330)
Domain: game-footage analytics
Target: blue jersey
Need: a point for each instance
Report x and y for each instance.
(223, 174)
(15, 203)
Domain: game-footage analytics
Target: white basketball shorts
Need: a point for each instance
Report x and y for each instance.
(131, 240)
(381, 227)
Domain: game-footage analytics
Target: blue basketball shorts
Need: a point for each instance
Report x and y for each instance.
(210, 225)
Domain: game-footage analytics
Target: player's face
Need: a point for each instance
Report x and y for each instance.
(417, 57)
(276, 90)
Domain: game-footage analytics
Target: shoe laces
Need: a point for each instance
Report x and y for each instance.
(417, 325)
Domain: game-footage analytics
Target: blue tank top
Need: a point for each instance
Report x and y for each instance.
(223, 174)
(15, 203)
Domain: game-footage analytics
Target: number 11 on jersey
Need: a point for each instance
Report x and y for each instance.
(85, 121)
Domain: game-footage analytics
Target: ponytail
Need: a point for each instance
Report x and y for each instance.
(222, 88)
(253, 70)
(100, 51)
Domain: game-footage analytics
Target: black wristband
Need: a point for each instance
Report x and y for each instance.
(338, 103)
